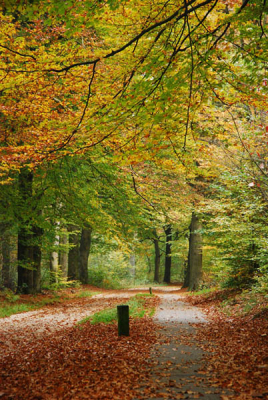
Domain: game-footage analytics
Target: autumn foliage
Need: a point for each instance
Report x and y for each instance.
(237, 345)
(83, 362)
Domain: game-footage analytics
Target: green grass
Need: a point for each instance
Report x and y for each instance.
(86, 293)
(203, 291)
(9, 309)
(136, 310)
(12, 304)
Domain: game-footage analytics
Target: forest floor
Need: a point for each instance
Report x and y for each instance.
(189, 350)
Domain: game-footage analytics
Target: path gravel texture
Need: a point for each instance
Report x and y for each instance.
(177, 359)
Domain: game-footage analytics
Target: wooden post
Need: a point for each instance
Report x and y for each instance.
(150, 290)
(123, 320)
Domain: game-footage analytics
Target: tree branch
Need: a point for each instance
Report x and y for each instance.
(17, 52)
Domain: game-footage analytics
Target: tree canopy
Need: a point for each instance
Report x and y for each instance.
(147, 109)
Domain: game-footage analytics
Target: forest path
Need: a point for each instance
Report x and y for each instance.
(177, 371)
(29, 326)
(32, 325)
(175, 361)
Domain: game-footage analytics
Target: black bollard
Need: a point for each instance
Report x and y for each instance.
(123, 320)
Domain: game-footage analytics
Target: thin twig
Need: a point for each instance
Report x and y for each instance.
(136, 189)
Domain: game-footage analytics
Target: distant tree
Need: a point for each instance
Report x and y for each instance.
(194, 266)
(84, 250)
(167, 274)
(157, 257)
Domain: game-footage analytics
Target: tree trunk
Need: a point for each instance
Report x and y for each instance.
(29, 238)
(167, 275)
(25, 236)
(54, 267)
(6, 256)
(194, 268)
(85, 243)
(132, 262)
(63, 254)
(25, 262)
(149, 264)
(37, 255)
(54, 258)
(156, 258)
(187, 269)
(73, 256)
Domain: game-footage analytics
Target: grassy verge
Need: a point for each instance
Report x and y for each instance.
(86, 293)
(9, 308)
(139, 306)
(11, 303)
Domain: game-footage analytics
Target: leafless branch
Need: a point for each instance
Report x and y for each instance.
(136, 189)
(18, 53)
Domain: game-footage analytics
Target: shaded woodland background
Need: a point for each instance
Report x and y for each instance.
(133, 144)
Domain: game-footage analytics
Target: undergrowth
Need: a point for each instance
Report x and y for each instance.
(232, 302)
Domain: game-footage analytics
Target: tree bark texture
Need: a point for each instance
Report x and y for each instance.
(157, 259)
(54, 257)
(54, 267)
(74, 253)
(63, 255)
(195, 254)
(29, 237)
(37, 256)
(187, 270)
(84, 249)
(6, 256)
(167, 274)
